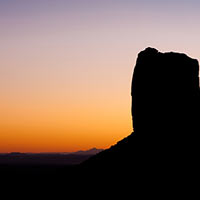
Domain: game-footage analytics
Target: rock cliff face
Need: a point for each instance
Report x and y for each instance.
(165, 101)
(165, 92)
(165, 109)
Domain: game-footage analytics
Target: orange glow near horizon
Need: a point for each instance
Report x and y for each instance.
(60, 129)
(54, 126)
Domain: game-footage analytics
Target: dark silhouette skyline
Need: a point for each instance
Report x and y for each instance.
(165, 110)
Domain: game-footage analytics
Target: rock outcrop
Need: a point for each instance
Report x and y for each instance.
(165, 109)
(165, 92)
(165, 101)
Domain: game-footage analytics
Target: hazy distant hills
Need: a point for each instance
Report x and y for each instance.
(69, 158)
(92, 151)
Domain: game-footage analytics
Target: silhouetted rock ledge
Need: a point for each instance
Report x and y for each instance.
(165, 110)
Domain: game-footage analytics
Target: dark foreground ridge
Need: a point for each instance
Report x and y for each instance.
(165, 110)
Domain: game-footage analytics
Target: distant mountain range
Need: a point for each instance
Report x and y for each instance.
(65, 158)
(92, 151)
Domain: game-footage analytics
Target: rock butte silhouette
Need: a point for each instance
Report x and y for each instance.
(163, 150)
(165, 111)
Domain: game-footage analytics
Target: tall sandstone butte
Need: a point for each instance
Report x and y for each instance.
(165, 96)
(165, 109)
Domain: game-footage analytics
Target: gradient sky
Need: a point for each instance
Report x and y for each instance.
(66, 67)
